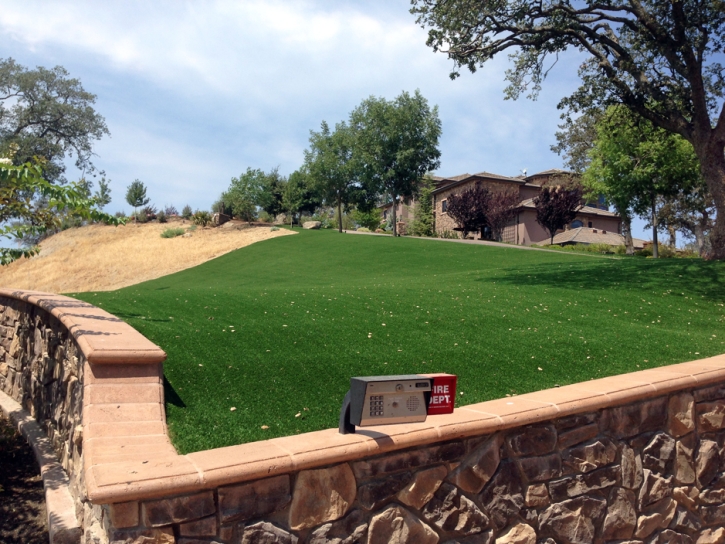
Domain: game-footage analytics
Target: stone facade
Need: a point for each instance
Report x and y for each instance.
(647, 472)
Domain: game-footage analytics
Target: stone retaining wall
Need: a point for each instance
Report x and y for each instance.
(633, 458)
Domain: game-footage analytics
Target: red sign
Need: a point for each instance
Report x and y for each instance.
(443, 394)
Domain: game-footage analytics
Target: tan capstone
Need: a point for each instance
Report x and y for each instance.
(322, 495)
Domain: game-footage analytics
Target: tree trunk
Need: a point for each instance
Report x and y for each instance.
(699, 238)
(712, 166)
(673, 236)
(627, 228)
(655, 248)
(339, 213)
(395, 219)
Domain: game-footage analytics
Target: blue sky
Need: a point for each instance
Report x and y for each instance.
(195, 92)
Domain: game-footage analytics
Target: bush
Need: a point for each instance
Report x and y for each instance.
(274, 229)
(599, 248)
(620, 249)
(161, 217)
(186, 213)
(201, 218)
(140, 217)
(646, 252)
(120, 214)
(149, 211)
(363, 229)
(172, 233)
(171, 211)
(448, 234)
(369, 220)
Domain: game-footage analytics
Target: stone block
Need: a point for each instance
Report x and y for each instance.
(686, 522)
(454, 513)
(352, 529)
(537, 496)
(631, 468)
(142, 536)
(590, 456)
(714, 392)
(408, 460)
(684, 461)
(575, 521)
(580, 484)
(534, 440)
(265, 532)
(322, 495)
(687, 496)
(659, 454)
(681, 410)
(396, 524)
(712, 496)
(669, 536)
(541, 468)
(179, 509)
(633, 419)
(712, 515)
(710, 416)
(478, 466)
(657, 516)
(621, 518)
(200, 527)
(654, 488)
(423, 486)
(254, 500)
(520, 533)
(502, 497)
(124, 514)
(707, 463)
(485, 537)
(712, 536)
(372, 494)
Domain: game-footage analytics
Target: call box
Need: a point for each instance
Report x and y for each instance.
(381, 400)
(443, 393)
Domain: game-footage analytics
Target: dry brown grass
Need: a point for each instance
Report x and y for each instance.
(104, 258)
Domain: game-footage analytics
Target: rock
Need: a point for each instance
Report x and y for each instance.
(396, 524)
(479, 466)
(684, 462)
(714, 392)
(580, 484)
(124, 514)
(200, 527)
(712, 536)
(453, 512)
(322, 495)
(502, 496)
(711, 416)
(425, 483)
(373, 494)
(685, 522)
(631, 468)
(351, 529)
(681, 410)
(178, 509)
(686, 496)
(593, 455)
(265, 532)
(518, 534)
(633, 419)
(314, 225)
(669, 537)
(712, 496)
(654, 488)
(708, 462)
(387, 464)
(4, 369)
(537, 496)
(712, 515)
(481, 538)
(659, 454)
(164, 535)
(577, 435)
(621, 516)
(254, 500)
(534, 440)
(657, 516)
(575, 521)
(541, 468)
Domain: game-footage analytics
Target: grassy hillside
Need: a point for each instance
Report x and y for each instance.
(275, 330)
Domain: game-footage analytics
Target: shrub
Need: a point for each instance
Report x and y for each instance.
(150, 212)
(274, 229)
(120, 214)
(161, 217)
(186, 213)
(620, 249)
(448, 234)
(192, 228)
(171, 211)
(140, 217)
(599, 248)
(363, 229)
(172, 233)
(201, 218)
(646, 252)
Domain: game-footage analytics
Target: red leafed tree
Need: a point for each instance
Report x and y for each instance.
(501, 209)
(469, 208)
(557, 207)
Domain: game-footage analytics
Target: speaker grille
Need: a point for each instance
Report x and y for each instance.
(412, 403)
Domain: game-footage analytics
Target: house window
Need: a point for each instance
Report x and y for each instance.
(590, 224)
(577, 224)
(444, 206)
(385, 215)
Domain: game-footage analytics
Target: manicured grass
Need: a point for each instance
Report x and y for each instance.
(311, 310)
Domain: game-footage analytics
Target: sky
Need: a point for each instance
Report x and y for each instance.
(194, 92)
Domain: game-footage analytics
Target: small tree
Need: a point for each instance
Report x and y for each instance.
(186, 212)
(469, 208)
(102, 196)
(557, 207)
(367, 219)
(501, 209)
(136, 196)
(423, 220)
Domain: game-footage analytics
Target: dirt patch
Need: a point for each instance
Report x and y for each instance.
(103, 258)
(22, 499)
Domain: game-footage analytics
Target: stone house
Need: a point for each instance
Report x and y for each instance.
(523, 229)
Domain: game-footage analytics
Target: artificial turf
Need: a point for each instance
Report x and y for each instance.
(275, 330)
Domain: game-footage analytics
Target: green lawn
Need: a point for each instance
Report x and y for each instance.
(277, 329)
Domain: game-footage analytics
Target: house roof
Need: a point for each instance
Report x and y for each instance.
(584, 235)
(465, 178)
(549, 172)
(584, 210)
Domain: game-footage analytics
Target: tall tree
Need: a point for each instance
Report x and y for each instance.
(136, 195)
(295, 195)
(634, 163)
(659, 59)
(556, 207)
(469, 208)
(396, 144)
(270, 193)
(46, 113)
(333, 172)
(575, 138)
(244, 194)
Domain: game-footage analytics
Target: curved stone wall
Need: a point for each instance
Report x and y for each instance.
(638, 458)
